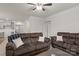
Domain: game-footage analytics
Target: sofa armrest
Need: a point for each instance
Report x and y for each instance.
(47, 40)
(53, 38)
(10, 47)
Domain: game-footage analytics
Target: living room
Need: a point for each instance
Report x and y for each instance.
(39, 29)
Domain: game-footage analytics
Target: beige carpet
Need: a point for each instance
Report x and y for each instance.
(54, 52)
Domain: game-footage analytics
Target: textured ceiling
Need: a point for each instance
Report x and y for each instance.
(22, 11)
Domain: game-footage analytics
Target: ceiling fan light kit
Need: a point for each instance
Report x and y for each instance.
(40, 6)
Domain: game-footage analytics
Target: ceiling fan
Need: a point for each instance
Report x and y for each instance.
(40, 6)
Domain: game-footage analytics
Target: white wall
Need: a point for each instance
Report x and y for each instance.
(66, 21)
(34, 24)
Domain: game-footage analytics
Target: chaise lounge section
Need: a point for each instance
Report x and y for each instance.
(30, 47)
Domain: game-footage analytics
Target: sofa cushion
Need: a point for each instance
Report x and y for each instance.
(40, 45)
(77, 50)
(67, 46)
(74, 48)
(27, 41)
(65, 39)
(72, 35)
(77, 35)
(77, 41)
(58, 43)
(24, 49)
(68, 40)
(46, 44)
(34, 39)
(72, 41)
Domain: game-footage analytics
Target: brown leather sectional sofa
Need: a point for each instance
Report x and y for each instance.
(69, 44)
(31, 45)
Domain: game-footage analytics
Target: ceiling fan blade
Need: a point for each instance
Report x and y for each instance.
(48, 4)
(34, 8)
(31, 3)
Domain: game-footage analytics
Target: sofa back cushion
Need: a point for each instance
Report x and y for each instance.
(35, 37)
(77, 35)
(63, 33)
(77, 42)
(27, 38)
(72, 38)
(69, 38)
(77, 39)
(65, 39)
(65, 36)
(30, 37)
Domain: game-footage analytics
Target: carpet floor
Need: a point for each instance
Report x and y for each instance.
(54, 52)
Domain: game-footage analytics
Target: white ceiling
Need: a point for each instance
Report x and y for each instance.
(22, 11)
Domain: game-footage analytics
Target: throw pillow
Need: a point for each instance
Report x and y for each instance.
(59, 38)
(41, 39)
(18, 42)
